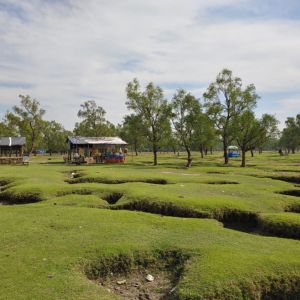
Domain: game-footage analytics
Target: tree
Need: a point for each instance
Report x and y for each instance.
(225, 98)
(6, 130)
(290, 137)
(251, 132)
(205, 134)
(54, 137)
(269, 131)
(247, 130)
(28, 119)
(133, 131)
(185, 114)
(94, 122)
(154, 110)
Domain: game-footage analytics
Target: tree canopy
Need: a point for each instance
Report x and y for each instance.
(225, 98)
(93, 121)
(27, 119)
(153, 109)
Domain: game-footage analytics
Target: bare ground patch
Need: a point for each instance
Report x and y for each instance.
(128, 275)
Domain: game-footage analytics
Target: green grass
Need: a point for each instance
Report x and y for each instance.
(49, 248)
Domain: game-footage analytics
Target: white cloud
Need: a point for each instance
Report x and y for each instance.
(76, 50)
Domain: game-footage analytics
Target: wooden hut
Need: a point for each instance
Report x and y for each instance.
(96, 149)
(11, 150)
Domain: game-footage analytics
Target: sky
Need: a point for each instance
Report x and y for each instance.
(65, 52)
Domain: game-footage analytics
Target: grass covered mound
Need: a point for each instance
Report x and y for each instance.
(75, 241)
(58, 248)
(281, 224)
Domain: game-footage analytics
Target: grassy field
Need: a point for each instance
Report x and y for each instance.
(208, 232)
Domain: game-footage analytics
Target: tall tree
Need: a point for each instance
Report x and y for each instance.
(133, 131)
(250, 132)
(290, 137)
(247, 130)
(225, 98)
(54, 137)
(185, 114)
(93, 121)
(28, 119)
(205, 134)
(154, 110)
(269, 131)
(6, 130)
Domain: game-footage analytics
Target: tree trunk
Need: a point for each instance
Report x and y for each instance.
(154, 145)
(201, 151)
(293, 150)
(155, 157)
(226, 159)
(260, 151)
(252, 153)
(243, 165)
(189, 159)
(211, 150)
(206, 151)
(135, 149)
(155, 150)
(174, 150)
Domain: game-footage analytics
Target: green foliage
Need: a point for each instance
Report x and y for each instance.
(226, 99)
(27, 119)
(6, 130)
(185, 115)
(290, 138)
(154, 110)
(94, 122)
(133, 131)
(54, 137)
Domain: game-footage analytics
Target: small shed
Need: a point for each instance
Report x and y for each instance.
(96, 149)
(11, 149)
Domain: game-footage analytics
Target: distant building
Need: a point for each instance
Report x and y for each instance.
(96, 149)
(11, 149)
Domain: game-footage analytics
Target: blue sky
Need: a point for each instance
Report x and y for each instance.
(65, 52)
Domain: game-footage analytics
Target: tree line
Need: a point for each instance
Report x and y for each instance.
(225, 115)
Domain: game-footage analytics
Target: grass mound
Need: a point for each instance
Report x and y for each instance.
(114, 181)
(75, 200)
(81, 191)
(162, 208)
(274, 287)
(125, 274)
(237, 219)
(281, 224)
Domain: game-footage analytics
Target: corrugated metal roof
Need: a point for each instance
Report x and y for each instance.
(80, 140)
(12, 141)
